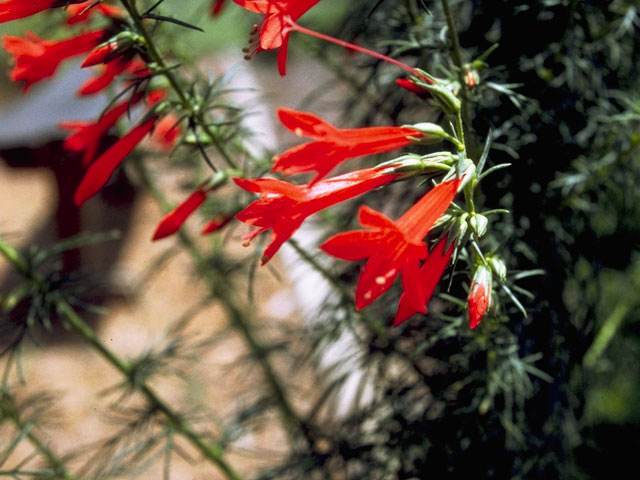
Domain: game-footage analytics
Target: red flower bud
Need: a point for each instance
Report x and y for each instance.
(412, 87)
(216, 223)
(99, 172)
(479, 295)
(173, 220)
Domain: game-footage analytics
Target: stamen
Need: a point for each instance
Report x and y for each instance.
(253, 48)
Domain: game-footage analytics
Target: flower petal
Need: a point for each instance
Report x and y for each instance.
(305, 123)
(418, 220)
(320, 157)
(376, 278)
(429, 276)
(352, 246)
(282, 56)
(368, 217)
(172, 221)
(99, 172)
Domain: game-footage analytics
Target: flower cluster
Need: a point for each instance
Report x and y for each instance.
(416, 247)
(392, 249)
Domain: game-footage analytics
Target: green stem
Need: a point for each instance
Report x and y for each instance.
(457, 59)
(211, 451)
(9, 410)
(14, 257)
(605, 335)
(54, 462)
(238, 319)
(153, 52)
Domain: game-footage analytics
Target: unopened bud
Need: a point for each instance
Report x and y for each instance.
(446, 99)
(498, 267)
(411, 164)
(479, 295)
(111, 49)
(429, 129)
(459, 228)
(478, 224)
(412, 87)
(471, 78)
(466, 170)
(433, 134)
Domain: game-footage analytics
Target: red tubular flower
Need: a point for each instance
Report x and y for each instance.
(274, 32)
(216, 223)
(15, 9)
(392, 248)
(167, 132)
(81, 12)
(412, 87)
(37, 59)
(479, 295)
(333, 146)
(103, 80)
(173, 220)
(428, 278)
(101, 54)
(99, 172)
(283, 206)
(86, 136)
(216, 7)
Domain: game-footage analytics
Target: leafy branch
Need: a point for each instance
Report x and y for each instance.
(212, 451)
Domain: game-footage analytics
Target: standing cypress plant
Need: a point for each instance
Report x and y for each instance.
(485, 229)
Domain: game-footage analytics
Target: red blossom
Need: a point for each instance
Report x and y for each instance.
(101, 54)
(479, 295)
(283, 206)
(428, 278)
(103, 80)
(37, 59)
(81, 12)
(216, 223)
(393, 248)
(275, 25)
(166, 132)
(15, 9)
(173, 220)
(216, 7)
(412, 87)
(99, 172)
(86, 136)
(332, 145)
